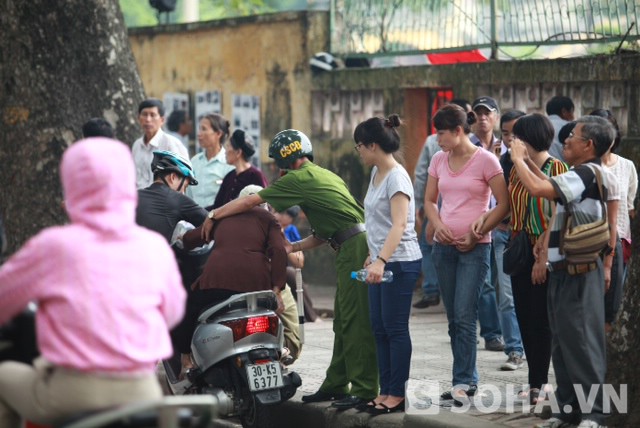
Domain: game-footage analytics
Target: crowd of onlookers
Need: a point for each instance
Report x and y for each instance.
(544, 170)
(472, 195)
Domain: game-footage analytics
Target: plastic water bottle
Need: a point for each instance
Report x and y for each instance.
(361, 275)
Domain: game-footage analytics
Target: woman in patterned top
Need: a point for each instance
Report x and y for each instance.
(530, 287)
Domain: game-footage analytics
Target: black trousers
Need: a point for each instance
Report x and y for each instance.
(530, 301)
(613, 296)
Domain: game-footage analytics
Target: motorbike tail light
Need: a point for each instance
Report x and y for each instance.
(257, 325)
(247, 326)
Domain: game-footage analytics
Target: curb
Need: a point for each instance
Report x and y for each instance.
(322, 415)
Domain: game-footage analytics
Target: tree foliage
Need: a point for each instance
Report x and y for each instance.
(138, 13)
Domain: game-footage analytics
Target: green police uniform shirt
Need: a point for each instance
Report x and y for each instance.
(321, 194)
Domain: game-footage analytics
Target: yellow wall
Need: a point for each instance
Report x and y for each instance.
(266, 55)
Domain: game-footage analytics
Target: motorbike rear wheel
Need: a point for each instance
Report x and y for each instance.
(257, 415)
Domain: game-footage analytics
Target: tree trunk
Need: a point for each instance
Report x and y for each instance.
(624, 342)
(63, 62)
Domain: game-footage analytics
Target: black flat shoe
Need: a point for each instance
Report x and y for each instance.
(364, 407)
(470, 393)
(349, 402)
(425, 302)
(323, 396)
(385, 409)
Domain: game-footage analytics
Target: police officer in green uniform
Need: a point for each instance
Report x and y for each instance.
(336, 219)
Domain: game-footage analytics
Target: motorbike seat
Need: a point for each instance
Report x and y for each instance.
(269, 303)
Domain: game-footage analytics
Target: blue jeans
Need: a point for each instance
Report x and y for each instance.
(389, 309)
(487, 306)
(506, 309)
(429, 276)
(461, 276)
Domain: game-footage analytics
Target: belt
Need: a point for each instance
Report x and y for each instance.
(571, 268)
(341, 237)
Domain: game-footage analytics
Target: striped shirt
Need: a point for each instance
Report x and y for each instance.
(579, 188)
(539, 207)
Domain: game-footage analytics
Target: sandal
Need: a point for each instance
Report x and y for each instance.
(386, 409)
(534, 393)
(363, 407)
(470, 393)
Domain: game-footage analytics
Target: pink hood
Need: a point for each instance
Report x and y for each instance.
(99, 183)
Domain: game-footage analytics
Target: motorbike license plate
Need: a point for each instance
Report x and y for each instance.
(264, 376)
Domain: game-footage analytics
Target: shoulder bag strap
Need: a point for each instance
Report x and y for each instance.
(569, 211)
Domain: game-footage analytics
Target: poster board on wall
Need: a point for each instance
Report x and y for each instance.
(246, 116)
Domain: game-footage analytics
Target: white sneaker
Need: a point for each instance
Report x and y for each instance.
(554, 423)
(588, 423)
(514, 362)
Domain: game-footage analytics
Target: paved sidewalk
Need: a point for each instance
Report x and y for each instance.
(495, 405)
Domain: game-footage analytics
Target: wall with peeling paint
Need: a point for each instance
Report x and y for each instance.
(268, 56)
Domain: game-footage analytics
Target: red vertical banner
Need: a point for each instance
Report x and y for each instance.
(439, 98)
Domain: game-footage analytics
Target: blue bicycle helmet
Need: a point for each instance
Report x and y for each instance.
(164, 160)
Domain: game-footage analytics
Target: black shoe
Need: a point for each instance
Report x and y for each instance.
(385, 409)
(425, 302)
(470, 393)
(349, 402)
(323, 396)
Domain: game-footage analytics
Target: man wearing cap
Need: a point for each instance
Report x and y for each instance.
(488, 114)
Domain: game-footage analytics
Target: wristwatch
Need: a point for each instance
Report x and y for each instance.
(212, 214)
(608, 250)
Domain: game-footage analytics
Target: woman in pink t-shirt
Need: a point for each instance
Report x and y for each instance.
(463, 176)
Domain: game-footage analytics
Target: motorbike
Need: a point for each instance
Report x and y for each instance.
(237, 347)
(18, 343)
(18, 337)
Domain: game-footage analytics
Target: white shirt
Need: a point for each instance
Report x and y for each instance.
(377, 215)
(143, 155)
(556, 147)
(626, 176)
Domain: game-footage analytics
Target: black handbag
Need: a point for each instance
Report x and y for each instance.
(518, 253)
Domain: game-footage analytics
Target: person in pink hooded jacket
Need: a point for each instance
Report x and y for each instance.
(107, 291)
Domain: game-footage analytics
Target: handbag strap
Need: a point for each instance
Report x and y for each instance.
(570, 212)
